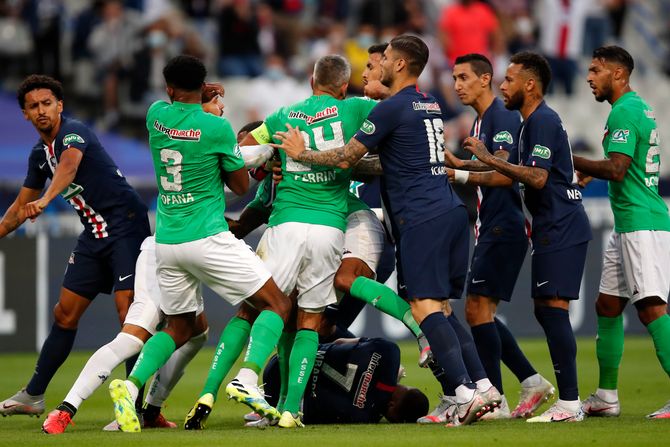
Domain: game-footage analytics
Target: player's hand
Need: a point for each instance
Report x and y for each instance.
(33, 209)
(452, 161)
(376, 90)
(450, 173)
(214, 106)
(276, 172)
(583, 179)
(211, 90)
(476, 147)
(291, 141)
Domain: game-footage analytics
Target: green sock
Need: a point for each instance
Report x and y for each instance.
(301, 363)
(156, 352)
(609, 350)
(232, 341)
(284, 357)
(659, 329)
(385, 300)
(262, 340)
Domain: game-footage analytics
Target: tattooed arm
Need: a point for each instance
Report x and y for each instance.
(342, 157)
(529, 175)
(368, 165)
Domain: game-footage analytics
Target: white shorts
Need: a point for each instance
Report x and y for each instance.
(306, 257)
(224, 263)
(364, 238)
(636, 265)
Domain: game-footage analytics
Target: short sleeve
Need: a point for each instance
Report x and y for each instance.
(622, 134)
(262, 134)
(229, 151)
(35, 177)
(505, 133)
(77, 136)
(543, 143)
(381, 121)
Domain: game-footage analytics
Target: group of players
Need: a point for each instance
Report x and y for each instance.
(323, 255)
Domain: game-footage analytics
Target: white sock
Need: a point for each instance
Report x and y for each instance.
(608, 395)
(483, 384)
(464, 394)
(247, 376)
(100, 365)
(132, 390)
(570, 405)
(534, 380)
(169, 374)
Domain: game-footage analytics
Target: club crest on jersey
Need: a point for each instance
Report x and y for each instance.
(620, 136)
(328, 112)
(178, 134)
(72, 138)
(541, 152)
(503, 137)
(368, 127)
(430, 107)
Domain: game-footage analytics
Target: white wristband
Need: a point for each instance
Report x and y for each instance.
(461, 176)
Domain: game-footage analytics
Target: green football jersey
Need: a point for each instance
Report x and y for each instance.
(310, 193)
(191, 150)
(631, 130)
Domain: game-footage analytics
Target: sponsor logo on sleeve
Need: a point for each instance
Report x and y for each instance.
(541, 152)
(620, 136)
(72, 138)
(368, 127)
(503, 137)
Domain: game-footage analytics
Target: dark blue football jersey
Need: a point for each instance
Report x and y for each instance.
(351, 382)
(107, 205)
(499, 213)
(408, 131)
(557, 216)
(368, 192)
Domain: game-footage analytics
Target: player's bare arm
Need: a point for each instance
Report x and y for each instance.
(613, 169)
(15, 215)
(529, 175)
(63, 176)
(342, 157)
(370, 165)
(238, 181)
(487, 178)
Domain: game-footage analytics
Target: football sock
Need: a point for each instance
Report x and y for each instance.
(55, 350)
(130, 364)
(386, 300)
(468, 350)
(440, 376)
(65, 406)
(609, 350)
(339, 332)
(150, 412)
(348, 309)
(263, 338)
(231, 343)
(284, 359)
(512, 355)
(607, 395)
(483, 384)
(489, 349)
(156, 352)
(169, 374)
(531, 381)
(446, 349)
(562, 349)
(301, 363)
(659, 329)
(100, 365)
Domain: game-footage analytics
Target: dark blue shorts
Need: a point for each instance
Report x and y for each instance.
(495, 267)
(434, 256)
(99, 265)
(558, 273)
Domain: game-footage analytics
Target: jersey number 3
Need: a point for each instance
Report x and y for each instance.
(172, 163)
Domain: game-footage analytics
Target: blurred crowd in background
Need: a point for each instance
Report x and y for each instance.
(110, 53)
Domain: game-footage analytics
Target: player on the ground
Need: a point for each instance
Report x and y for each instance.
(114, 218)
(302, 246)
(635, 264)
(194, 153)
(353, 381)
(429, 220)
(560, 230)
(501, 240)
(142, 321)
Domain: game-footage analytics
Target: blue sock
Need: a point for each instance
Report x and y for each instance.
(468, 350)
(440, 376)
(562, 348)
(446, 349)
(339, 332)
(54, 351)
(489, 348)
(512, 355)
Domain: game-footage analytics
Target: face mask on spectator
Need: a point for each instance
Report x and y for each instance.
(156, 39)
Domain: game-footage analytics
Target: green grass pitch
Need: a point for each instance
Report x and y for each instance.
(643, 389)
